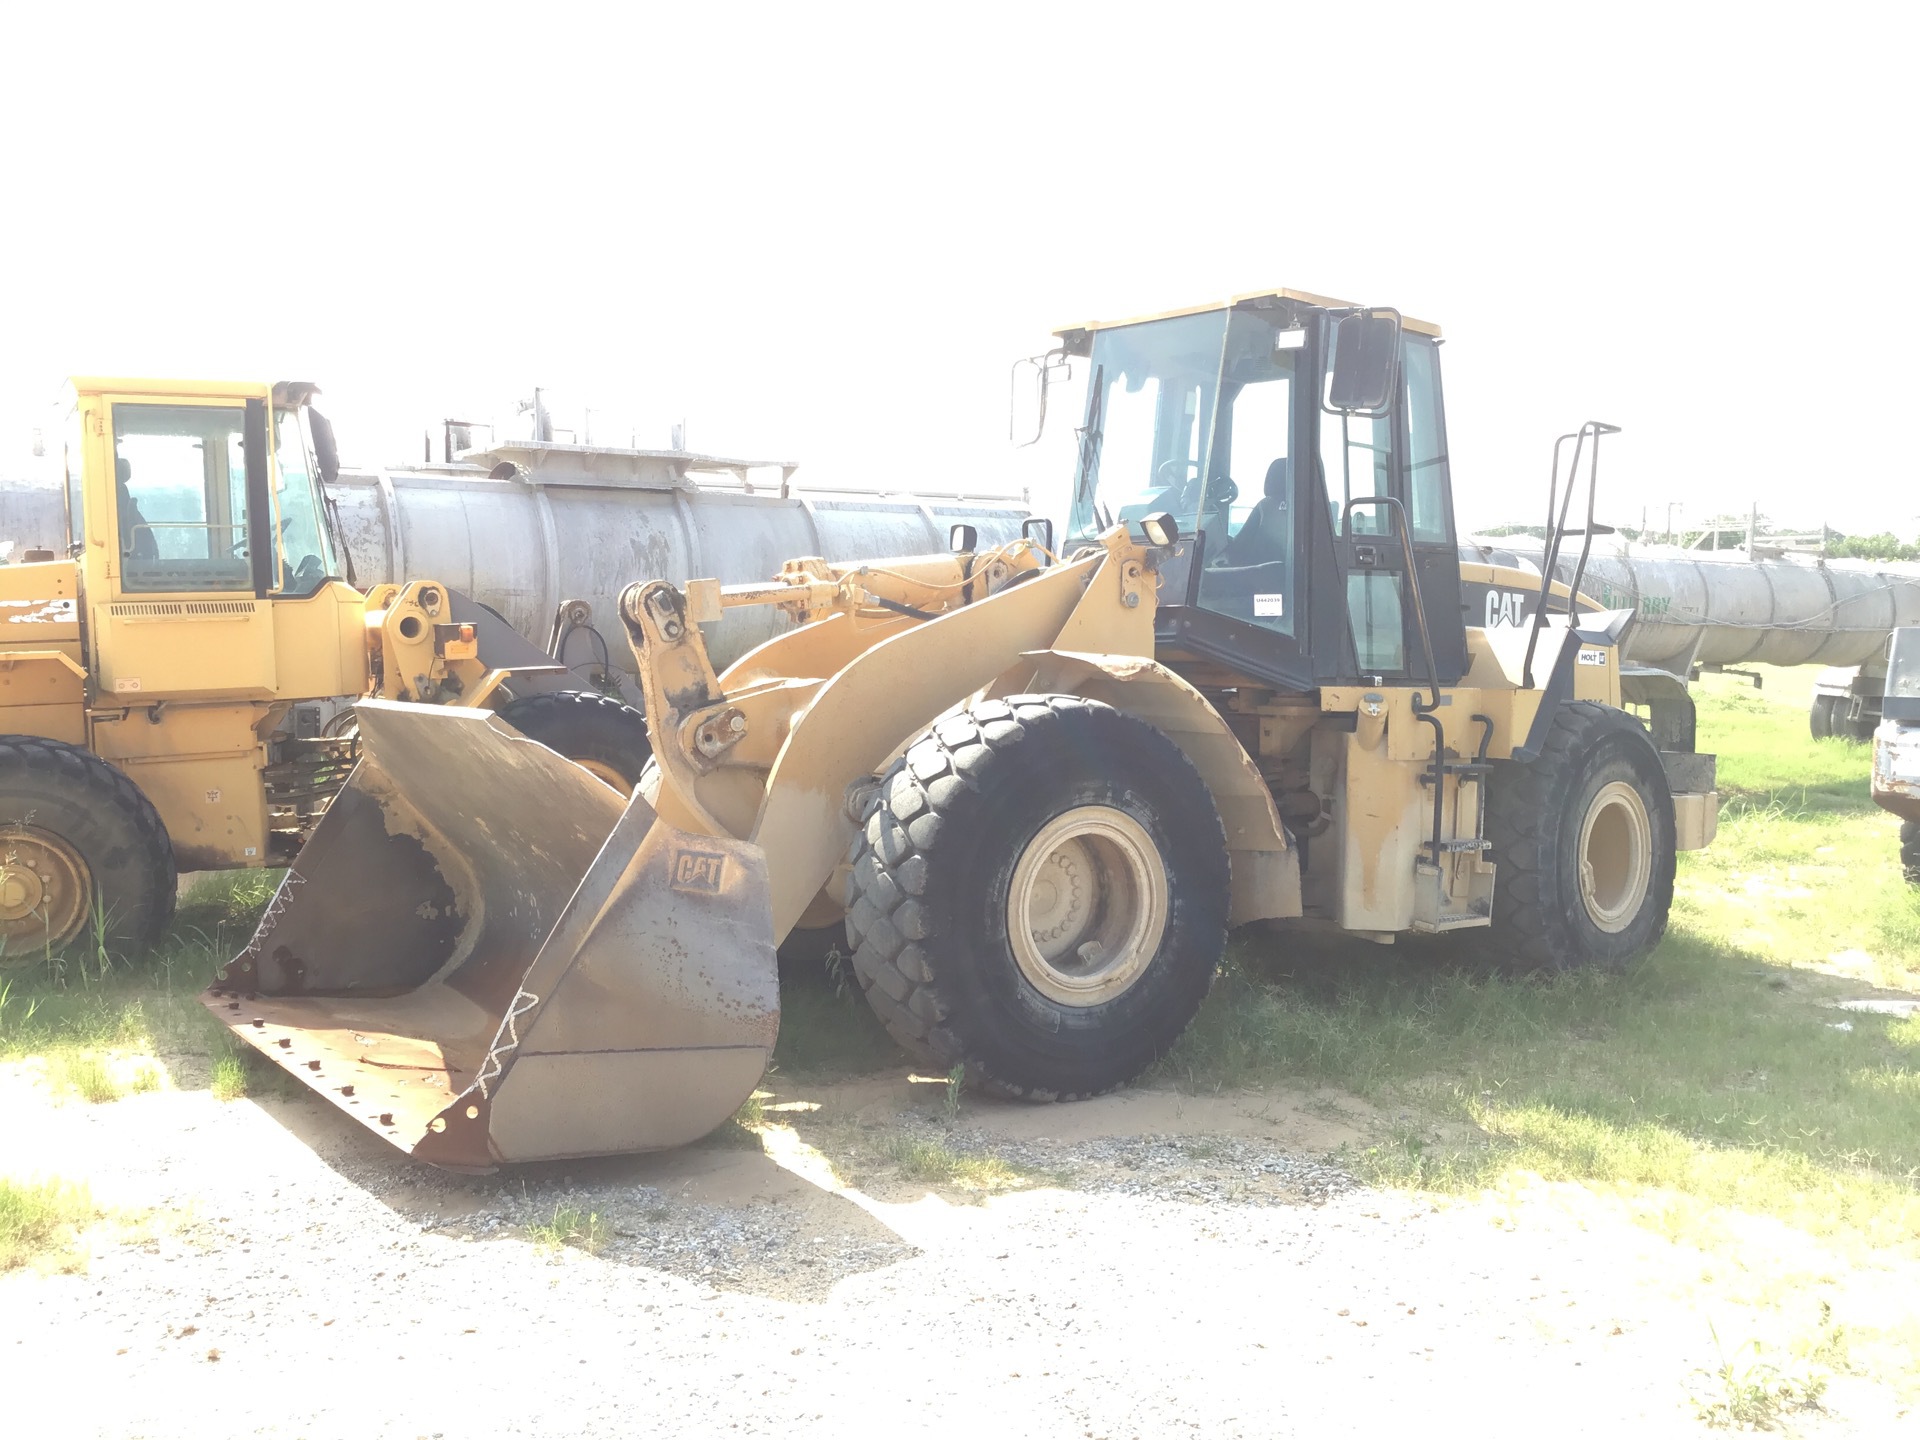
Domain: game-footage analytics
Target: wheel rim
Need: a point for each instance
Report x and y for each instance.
(45, 890)
(1616, 856)
(1088, 905)
(606, 775)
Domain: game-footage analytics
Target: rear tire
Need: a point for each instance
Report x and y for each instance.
(80, 847)
(598, 733)
(1584, 840)
(1039, 893)
(1910, 850)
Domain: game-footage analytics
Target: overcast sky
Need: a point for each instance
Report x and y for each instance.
(824, 233)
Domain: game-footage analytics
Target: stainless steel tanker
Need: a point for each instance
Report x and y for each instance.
(1695, 608)
(525, 527)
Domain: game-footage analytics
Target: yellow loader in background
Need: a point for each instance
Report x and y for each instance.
(164, 683)
(1040, 790)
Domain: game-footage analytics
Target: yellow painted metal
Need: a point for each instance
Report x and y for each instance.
(1306, 297)
(200, 766)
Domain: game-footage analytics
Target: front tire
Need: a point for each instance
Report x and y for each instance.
(82, 854)
(1583, 837)
(598, 733)
(1039, 893)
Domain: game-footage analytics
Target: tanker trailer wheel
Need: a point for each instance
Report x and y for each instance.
(1910, 850)
(79, 846)
(1820, 721)
(597, 732)
(1584, 840)
(1039, 893)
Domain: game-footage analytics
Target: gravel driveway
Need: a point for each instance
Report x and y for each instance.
(1188, 1268)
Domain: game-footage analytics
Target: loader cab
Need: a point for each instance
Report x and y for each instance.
(187, 517)
(207, 563)
(1292, 570)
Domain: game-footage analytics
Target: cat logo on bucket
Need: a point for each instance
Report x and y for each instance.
(698, 870)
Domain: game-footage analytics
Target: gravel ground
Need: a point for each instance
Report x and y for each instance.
(295, 1278)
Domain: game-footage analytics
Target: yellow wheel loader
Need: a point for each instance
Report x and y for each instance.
(1040, 788)
(158, 681)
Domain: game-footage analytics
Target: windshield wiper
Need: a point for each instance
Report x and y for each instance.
(1091, 435)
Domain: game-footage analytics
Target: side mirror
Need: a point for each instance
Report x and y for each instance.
(1366, 363)
(325, 452)
(963, 539)
(1039, 531)
(1027, 407)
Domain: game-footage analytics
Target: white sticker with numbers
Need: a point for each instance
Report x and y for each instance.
(121, 687)
(1266, 607)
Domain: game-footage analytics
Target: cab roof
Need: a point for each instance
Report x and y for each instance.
(286, 392)
(1250, 300)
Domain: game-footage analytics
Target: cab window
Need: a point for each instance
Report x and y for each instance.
(306, 559)
(180, 497)
(1427, 481)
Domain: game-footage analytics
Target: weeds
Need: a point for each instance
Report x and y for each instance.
(950, 1100)
(571, 1226)
(1749, 1393)
(42, 1218)
(229, 1078)
(85, 1075)
(924, 1158)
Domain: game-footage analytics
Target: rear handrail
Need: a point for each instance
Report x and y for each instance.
(1557, 529)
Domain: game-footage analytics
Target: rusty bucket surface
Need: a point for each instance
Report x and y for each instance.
(485, 957)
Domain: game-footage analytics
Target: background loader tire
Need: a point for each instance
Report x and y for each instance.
(80, 846)
(1597, 782)
(597, 732)
(1105, 838)
(1910, 850)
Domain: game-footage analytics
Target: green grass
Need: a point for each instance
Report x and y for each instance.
(41, 1219)
(927, 1159)
(571, 1226)
(84, 1011)
(1712, 1069)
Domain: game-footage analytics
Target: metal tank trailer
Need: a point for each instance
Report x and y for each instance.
(1707, 609)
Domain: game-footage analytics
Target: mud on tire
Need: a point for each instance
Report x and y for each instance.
(1598, 780)
(1109, 839)
(595, 731)
(74, 820)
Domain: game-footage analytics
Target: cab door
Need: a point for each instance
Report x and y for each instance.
(185, 615)
(1382, 470)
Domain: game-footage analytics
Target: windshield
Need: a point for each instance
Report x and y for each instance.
(1149, 420)
(1194, 415)
(306, 556)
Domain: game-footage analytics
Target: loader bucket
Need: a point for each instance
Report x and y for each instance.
(484, 957)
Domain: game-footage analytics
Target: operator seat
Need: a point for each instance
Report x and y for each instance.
(1263, 535)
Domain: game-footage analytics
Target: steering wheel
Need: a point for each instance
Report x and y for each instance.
(1173, 473)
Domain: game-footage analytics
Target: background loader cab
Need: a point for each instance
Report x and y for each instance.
(1225, 419)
